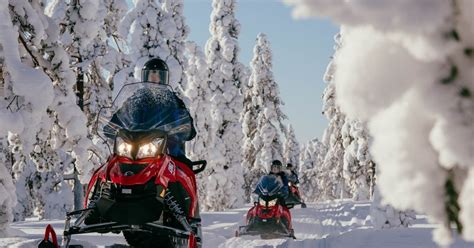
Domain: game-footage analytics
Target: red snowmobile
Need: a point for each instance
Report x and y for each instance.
(294, 197)
(269, 217)
(142, 191)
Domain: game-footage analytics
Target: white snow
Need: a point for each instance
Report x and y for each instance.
(339, 224)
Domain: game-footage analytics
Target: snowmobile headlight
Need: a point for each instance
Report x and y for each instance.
(272, 203)
(262, 202)
(123, 148)
(150, 149)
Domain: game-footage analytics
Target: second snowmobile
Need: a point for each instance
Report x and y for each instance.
(294, 196)
(269, 217)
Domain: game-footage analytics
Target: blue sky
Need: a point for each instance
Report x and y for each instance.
(301, 52)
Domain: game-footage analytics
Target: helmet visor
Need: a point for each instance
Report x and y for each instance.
(155, 76)
(275, 168)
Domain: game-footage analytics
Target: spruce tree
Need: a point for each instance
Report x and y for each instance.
(262, 116)
(197, 92)
(226, 76)
(357, 160)
(291, 148)
(62, 131)
(332, 181)
(157, 30)
(311, 170)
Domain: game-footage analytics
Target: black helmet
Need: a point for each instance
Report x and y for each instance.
(289, 166)
(276, 164)
(155, 70)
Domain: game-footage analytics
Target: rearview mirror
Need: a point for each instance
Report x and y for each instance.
(199, 166)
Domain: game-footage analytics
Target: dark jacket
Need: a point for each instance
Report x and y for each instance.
(293, 177)
(284, 179)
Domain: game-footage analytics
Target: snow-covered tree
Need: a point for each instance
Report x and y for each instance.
(311, 171)
(415, 91)
(60, 126)
(198, 93)
(249, 153)
(262, 116)
(357, 160)
(267, 99)
(291, 148)
(7, 190)
(81, 23)
(109, 59)
(158, 29)
(20, 108)
(226, 76)
(25, 178)
(332, 179)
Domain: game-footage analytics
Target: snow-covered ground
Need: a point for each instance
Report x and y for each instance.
(325, 225)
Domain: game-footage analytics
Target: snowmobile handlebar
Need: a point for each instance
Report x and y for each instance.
(203, 164)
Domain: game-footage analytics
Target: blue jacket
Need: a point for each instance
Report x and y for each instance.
(284, 190)
(155, 109)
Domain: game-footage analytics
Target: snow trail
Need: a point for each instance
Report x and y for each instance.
(339, 224)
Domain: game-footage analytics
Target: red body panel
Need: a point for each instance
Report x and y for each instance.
(165, 169)
(277, 211)
(294, 190)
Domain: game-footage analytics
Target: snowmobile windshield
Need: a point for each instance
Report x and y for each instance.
(268, 187)
(145, 107)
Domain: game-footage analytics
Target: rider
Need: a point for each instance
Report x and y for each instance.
(292, 176)
(156, 71)
(276, 169)
(145, 102)
(153, 106)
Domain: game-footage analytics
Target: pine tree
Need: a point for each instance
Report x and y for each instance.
(226, 76)
(7, 190)
(175, 33)
(107, 62)
(266, 97)
(197, 92)
(249, 129)
(262, 117)
(333, 162)
(334, 186)
(62, 130)
(25, 175)
(157, 29)
(311, 171)
(357, 160)
(291, 148)
(81, 35)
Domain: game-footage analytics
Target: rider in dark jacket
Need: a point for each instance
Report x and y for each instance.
(292, 176)
(158, 106)
(276, 169)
